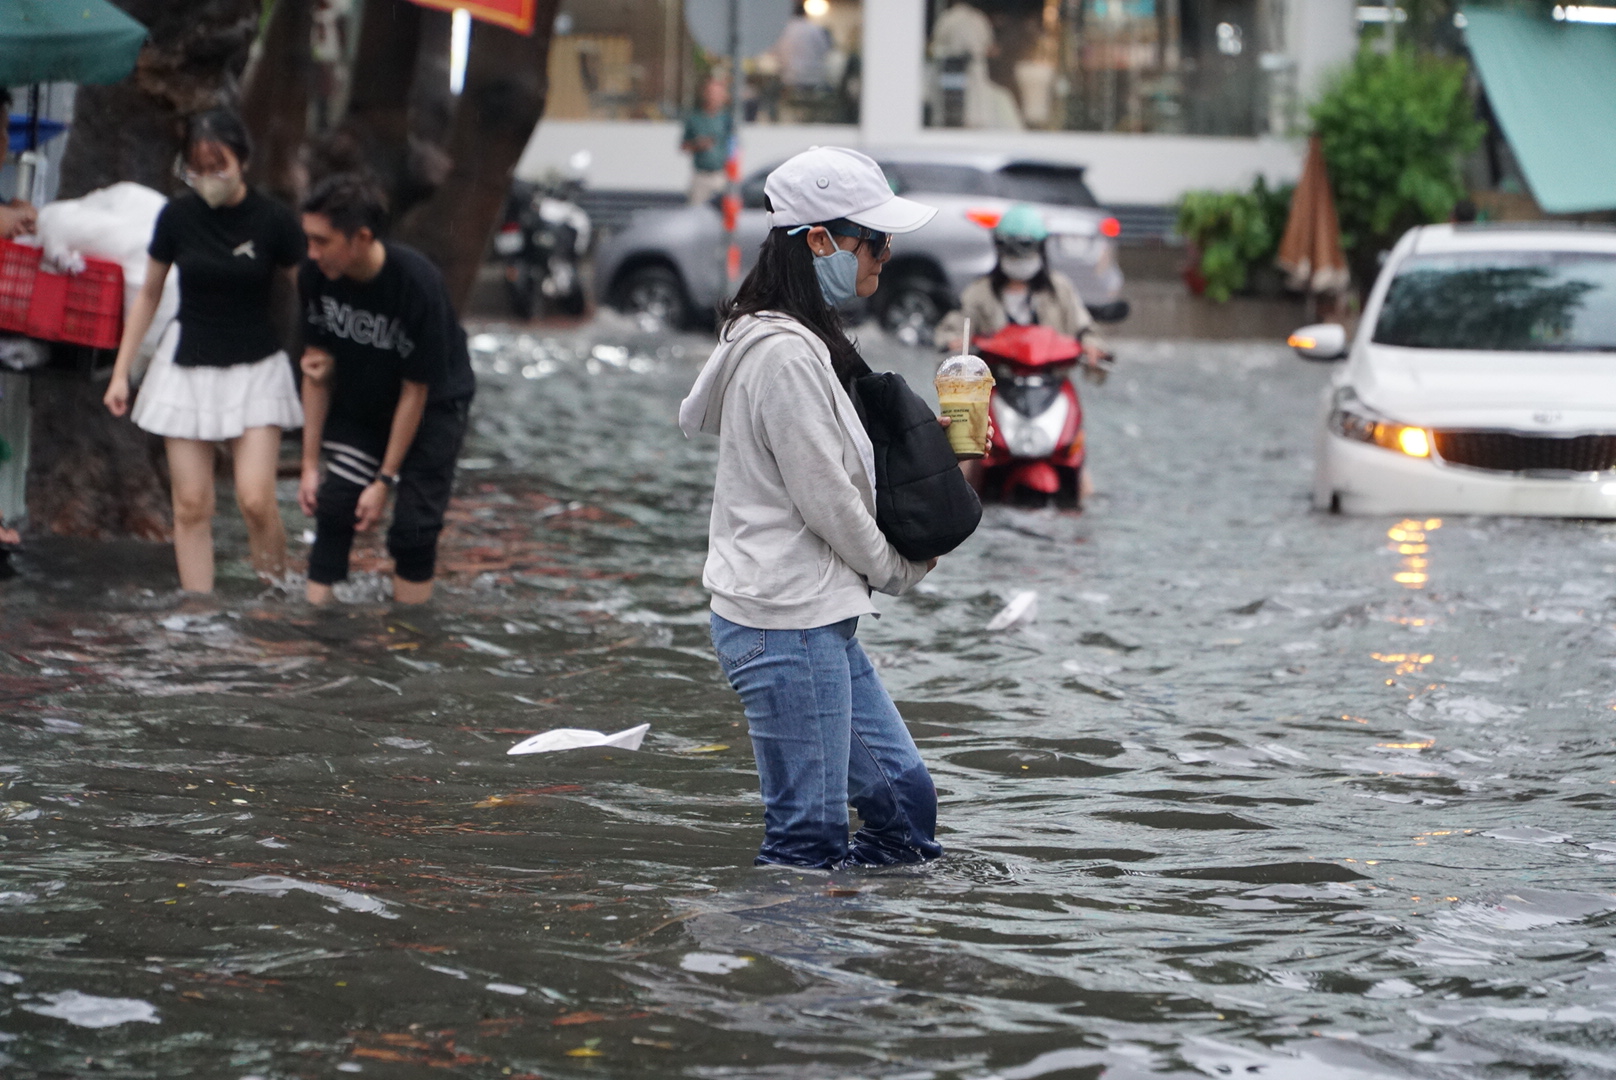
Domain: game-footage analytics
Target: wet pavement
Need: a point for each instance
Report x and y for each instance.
(1257, 791)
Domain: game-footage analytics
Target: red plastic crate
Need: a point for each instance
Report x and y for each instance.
(84, 308)
(19, 265)
(81, 309)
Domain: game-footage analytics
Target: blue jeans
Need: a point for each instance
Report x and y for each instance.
(825, 734)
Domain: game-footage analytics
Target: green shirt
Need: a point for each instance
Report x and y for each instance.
(715, 126)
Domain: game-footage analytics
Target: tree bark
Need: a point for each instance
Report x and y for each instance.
(90, 474)
(132, 130)
(432, 105)
(375, 131)
(275, 100)
(503, 99)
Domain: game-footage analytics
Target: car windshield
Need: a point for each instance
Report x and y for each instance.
(1502, 301)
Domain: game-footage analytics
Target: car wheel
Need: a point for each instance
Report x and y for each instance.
(572, 304)
(655, 296)
(1070, 495)
(912, 310)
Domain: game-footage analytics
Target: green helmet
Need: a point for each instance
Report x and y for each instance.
(1021, 222)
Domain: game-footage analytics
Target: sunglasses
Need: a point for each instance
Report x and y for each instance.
(1019, 247)
(189, 176)
(879, 242)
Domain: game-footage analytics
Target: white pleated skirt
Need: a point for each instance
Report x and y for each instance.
(215, 403)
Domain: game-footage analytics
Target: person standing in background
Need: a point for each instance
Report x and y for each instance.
(803, 51)
(706, 139)
(387, 385)
(220, 373)
(962, 42)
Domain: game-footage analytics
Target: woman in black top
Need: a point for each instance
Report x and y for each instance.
(220, 373)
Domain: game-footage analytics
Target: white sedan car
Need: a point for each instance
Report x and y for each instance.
(1482, 379)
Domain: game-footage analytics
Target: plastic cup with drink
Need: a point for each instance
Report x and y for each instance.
(964, 385)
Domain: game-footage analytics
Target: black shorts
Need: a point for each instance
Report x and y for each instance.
(425, 482)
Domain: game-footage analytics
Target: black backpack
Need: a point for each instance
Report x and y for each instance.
(923, 502)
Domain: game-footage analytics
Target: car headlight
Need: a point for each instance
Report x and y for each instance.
(1352, 419)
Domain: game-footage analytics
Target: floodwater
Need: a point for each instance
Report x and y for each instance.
(1258, 792)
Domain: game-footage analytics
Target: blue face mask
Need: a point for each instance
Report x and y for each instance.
(838, 275)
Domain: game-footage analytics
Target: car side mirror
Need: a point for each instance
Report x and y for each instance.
(1321, 341)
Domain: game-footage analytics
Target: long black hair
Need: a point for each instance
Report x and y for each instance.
(1039, 282)
(784, 280)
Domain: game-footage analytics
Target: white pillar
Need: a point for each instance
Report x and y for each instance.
(893, 71)
(1323, 38)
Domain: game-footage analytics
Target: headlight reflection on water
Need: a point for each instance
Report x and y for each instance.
(1408, 540)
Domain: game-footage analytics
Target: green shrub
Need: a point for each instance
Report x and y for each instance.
(1234, 232)
(1394, 127)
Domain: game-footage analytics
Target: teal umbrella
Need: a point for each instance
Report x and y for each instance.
(78, 41)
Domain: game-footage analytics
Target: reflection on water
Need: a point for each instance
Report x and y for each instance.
(1238, 802)
(1408, 540)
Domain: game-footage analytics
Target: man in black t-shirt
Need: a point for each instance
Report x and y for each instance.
(386, 391)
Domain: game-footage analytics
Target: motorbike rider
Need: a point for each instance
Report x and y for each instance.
(1022, 288)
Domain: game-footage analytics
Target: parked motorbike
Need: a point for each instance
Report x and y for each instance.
(1038, 452)
(542, 241)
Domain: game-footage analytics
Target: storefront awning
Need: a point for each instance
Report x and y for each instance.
(1553, 88)
(79, 41)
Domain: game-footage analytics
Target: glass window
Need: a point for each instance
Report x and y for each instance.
(1056, 184)
(1527, 302)
(936, 179)
(811, 74)
(635, 60)
(1167, 66)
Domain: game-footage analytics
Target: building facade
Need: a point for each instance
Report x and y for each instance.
(1155, 97)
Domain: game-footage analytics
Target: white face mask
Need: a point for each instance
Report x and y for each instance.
(1021, 267)
(216, 190)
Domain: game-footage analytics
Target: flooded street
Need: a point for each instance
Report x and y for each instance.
(1258, 792)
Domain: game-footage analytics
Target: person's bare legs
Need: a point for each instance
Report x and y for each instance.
(9, 536)
(411, 592)
(257, 453)
(190, 470)
(317, 594)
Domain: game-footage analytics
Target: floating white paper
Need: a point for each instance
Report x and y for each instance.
(277, 886)
(707, 963)
(575, 738)
(506, 988)
(90, 1011)
(1022, 608)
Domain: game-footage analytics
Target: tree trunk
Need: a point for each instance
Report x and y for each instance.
(90, 474)
(374, 133)
(275, 100)
(132, 129)
(432, 105)
(503, 99)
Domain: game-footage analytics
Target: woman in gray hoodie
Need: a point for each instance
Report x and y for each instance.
(793, 548)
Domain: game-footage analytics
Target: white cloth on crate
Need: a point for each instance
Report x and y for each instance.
(215, 403)
(113, 223)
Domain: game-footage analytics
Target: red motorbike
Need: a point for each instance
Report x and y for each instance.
(1037, 452)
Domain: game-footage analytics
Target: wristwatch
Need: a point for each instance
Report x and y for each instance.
(389, 480)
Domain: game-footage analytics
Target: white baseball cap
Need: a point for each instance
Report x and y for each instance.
(830, 182)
